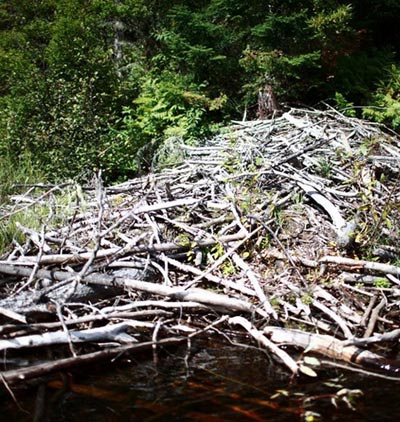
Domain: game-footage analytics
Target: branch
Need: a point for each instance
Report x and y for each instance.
(176, 293)
(258, 335)
(108, 333)
(360, 264)
(43, 369)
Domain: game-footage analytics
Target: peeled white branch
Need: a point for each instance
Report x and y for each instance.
(360, 264)
(115, 333)
(260, 337)
(344, 230)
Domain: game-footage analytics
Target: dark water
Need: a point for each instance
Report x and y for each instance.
(214, 383)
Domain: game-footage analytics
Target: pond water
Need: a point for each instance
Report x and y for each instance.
(214, 383)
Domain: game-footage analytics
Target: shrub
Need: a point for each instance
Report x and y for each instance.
(385, 106)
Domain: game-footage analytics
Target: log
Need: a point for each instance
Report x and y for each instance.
(202, 296)
(333, 348)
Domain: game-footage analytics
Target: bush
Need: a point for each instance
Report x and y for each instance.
(385, 105)
(169, 105)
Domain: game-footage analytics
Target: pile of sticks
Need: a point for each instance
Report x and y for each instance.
(288, 222)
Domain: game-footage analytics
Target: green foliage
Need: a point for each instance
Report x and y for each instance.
(382, 283)
(102, 84)
(51, 209)
(296, 47)
(12, 172)
(325, 167)
(357, 74)
(168, 105)
(9, 230)
(328, 24)
(16, 170)
(289, 85)
(54, 101)
(385, 107)
(343, 105)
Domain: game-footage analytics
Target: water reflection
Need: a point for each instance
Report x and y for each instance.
(212, 383)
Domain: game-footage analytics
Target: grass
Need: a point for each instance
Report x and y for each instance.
(17, 170)
(13, 172)
(51, 208)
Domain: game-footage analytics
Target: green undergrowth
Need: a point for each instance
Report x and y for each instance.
(16, 171)
(24, 205)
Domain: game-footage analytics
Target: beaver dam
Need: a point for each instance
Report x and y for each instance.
(282, 233)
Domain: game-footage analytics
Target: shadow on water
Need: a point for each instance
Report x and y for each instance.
(218, 383)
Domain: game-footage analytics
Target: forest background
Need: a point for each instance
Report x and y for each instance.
(101, 84)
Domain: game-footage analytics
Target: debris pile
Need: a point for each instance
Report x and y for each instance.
(270, 226)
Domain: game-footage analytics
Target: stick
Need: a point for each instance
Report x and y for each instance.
(176, 293)
(374, 317)
(214, 279)
(43, 369)
(256, 284)
(104, 253)
(258, 335)
(362, 265)
(108, 333)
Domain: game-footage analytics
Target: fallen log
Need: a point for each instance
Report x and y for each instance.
(333, 348)
(202, 296)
